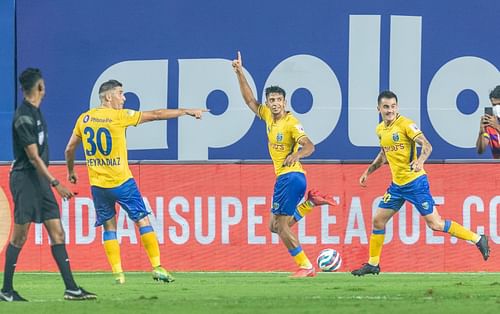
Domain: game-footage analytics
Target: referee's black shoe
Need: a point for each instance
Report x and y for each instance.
(483, 247)
(366, 269)
(79, 295)
(11, 296)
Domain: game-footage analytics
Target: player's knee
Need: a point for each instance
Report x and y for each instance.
(58, 237)
(435, 225)
(378, 223)
(273, 227)
(19, 240)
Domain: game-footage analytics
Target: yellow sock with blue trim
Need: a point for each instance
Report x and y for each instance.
(303, 209)
(376, 242)
(112, 249)
(459, 231)
(300, 257)
(150, 242)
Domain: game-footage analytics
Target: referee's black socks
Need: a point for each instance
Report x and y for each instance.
(10, 266)
(61, 256)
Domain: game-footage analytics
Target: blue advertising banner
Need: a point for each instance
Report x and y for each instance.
(332, 58)
(7, 76)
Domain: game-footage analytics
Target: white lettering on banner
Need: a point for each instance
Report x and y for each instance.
(254, 219)
(175, 236)
(357, 226)
(198, 220)
(228, 220)
(326, 221)
(469, 202)
(494, 204)
(200, 77)
(84, 205)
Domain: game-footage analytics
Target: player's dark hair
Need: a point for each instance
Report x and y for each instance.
(275, 89)
(109, 85)
(495, 93)
(29, 78)
(386, 94)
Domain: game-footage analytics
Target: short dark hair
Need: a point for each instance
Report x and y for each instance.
(29, 78)
(495, 93)
(109, 85)
(386, 94)
(275, 89)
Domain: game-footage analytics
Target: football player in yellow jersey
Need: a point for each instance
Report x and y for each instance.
(285, 134)
(102, 131)
(398, 138)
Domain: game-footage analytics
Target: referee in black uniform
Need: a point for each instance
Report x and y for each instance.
(30, 185)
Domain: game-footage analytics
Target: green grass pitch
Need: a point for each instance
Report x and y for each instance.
(194, 292)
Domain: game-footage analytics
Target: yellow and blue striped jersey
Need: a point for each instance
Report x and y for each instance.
(283, 136)
(102, 131)
(398, 142)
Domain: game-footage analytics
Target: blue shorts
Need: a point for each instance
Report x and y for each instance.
(416, 192)
(127, 195)
(289, 190)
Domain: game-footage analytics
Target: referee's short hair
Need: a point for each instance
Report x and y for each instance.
(29, 78)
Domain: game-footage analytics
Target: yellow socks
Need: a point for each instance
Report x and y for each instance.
(460, 231)
(376, 243)
(303, 209)
(300, 257)
(112, 249)
(150, 242)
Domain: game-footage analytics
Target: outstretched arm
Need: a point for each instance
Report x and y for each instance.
(245, 89)
(69, 155)
(164, 114)
(376, 163)
(418, 164)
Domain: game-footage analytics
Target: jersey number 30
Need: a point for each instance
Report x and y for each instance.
(95, 140)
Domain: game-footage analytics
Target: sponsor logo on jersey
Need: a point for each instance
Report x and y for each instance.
(395, 137)
(86, 118)
(279, 137)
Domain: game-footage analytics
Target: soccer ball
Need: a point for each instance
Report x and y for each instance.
(329, 260)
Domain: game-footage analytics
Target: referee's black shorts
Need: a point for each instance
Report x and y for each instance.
(33, 198)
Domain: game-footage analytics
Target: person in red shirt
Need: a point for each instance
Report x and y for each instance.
(489, 128)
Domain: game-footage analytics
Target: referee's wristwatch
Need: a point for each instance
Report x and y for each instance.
(54, 183)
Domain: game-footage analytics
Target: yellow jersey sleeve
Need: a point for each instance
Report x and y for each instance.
(129, 117)
(77, 129)
(411, 129)
(296, 130)
(264, 113)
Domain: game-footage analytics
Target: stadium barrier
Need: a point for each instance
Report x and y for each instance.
(213, 217)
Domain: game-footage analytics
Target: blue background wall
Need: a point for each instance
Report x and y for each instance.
(75, 42)
(7, 76)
